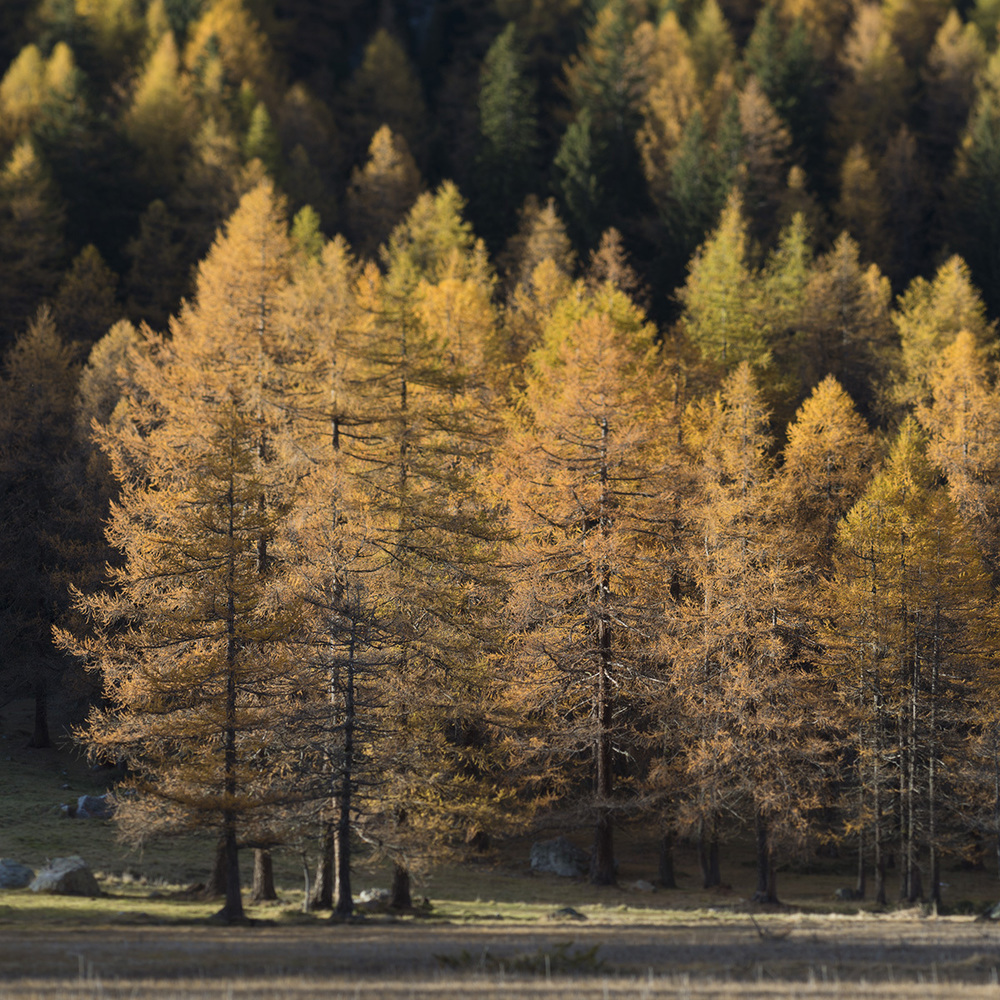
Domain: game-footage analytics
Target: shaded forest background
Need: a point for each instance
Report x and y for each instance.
(597, 400)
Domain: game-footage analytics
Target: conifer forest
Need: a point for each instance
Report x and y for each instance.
(427, 420)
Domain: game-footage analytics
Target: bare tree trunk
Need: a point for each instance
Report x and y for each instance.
(860, 885)
(708, 854)
(879, 847)
(322, 891)
(400, 899)
(216, 887)
(263, 877)
(766, 879)
(345, 900)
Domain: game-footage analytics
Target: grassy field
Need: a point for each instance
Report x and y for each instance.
(494, 929)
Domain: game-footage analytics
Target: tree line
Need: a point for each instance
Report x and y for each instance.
(390, 558)
(659, 503)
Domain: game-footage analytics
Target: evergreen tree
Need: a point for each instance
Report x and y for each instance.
(36, 424)
(508, 131)
(31, 238)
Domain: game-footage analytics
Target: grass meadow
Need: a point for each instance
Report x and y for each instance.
(494, 930)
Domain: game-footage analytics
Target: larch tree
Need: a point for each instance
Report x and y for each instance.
(906, 645)
(827, 462)
(846, 330)
(720, 312)
(737, 668)
(952, 67)
(929, 315)
(973, 194)
(584, 476)
(160, 117)
(382, 191)
(385, 90)
(423, 430)
(207, 477)
(32, 224)
(962, 420)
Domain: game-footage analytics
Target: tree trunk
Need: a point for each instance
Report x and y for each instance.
(232, 910)
(860, 885)
(322, 891)
(766, 880)
(263, 877)
(40, 738)
(667, 876)
(708, 855)
(401, 899)
(602, 858)
(345, 900)
(216, 887)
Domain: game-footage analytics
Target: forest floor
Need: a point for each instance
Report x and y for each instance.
(493, 930)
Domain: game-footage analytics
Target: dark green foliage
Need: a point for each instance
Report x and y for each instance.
(508, 138)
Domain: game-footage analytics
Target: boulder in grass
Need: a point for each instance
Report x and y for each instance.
(95, 806)
(66, 877)
(14, 875)
(374, 900)
(560, 857)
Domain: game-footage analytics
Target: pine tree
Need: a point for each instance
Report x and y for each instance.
(508, 136)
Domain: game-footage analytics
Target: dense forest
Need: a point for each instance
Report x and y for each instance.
(424, 420)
